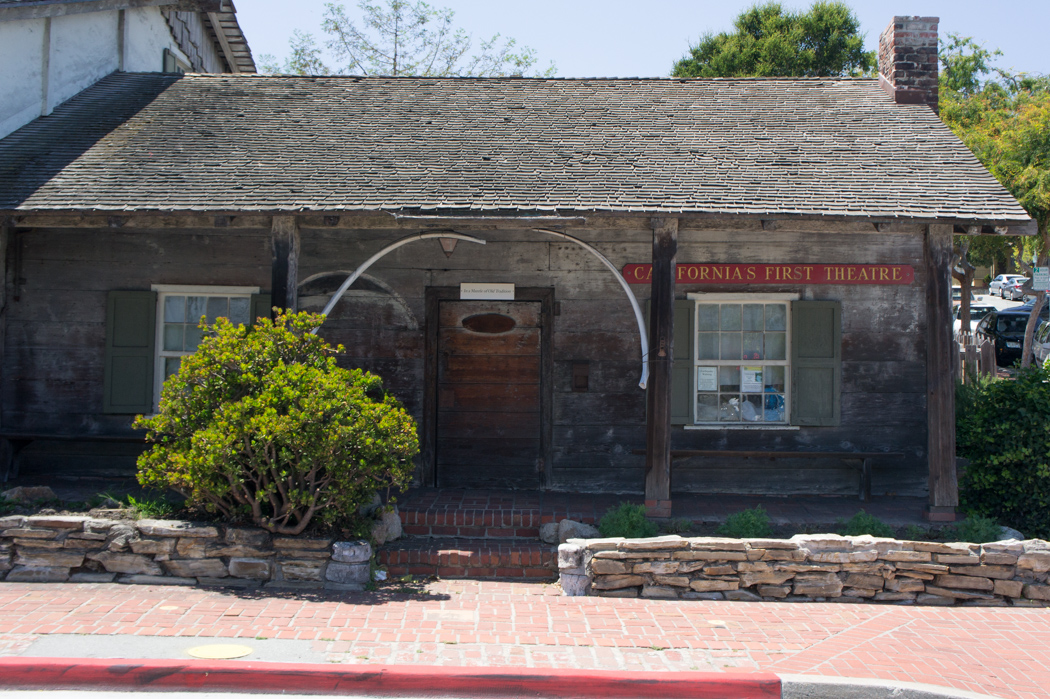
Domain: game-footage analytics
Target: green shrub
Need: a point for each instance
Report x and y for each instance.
(747, 524)
(628, 521)
(150, 508)
(976, 529)
(1003, 428)
(914, 532)
(863, 523)
(261, 423)
(680, 525)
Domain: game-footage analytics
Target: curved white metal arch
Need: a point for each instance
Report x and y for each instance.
(390, 248)
(638, 315)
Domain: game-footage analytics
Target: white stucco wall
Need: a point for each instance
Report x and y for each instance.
(84, 48)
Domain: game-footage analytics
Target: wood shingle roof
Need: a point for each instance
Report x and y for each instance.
(811, 147)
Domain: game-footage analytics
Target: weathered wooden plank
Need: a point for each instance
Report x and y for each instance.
(138, 274)
(525, 313)
(113, 244)
(884, 374)
(865, 346)
(463, 341)
(284, 264)
(661, 350)
(508, 369)
(42, 334)
(628, 480)
(944, 488)
(883, 408)
(495, 398)
(599, 408)
(509, 425)
(605, 377)
(597, 346)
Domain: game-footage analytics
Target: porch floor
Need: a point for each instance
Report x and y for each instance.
(517, 513)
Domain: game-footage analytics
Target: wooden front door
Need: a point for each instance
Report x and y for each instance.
(489, 394)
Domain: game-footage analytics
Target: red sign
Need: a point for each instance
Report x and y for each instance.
(777, 274)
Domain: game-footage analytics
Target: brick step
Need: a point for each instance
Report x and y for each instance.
(470, 558)
(480, 523)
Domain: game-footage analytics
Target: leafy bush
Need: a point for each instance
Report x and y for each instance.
(628, 521)
(747, 524)
(863, 523)
(1003, 428)
(914, 532)
(976, 530)
(681, 525)
(261, 423)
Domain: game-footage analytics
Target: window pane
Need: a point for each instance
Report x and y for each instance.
(707, 346)
(707, 407)
(774, 407)
(776, 345)
(218, 306)
(730, 345)
(171, 366)
(752, 345)
(776, 316)
(774, 376)
(752, 316)
(175, 309)
(173, 336)
(707, 317)
(751, 409)
(729, 409)
(193, 338)
(730, 317)
(239, 311)
(195, 308)
(729, 378)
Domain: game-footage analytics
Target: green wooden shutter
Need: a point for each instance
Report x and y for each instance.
(131, 333)
(260, 306)
(816, 362)
(682, 399)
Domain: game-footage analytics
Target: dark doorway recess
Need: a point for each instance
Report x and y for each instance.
(487, 399)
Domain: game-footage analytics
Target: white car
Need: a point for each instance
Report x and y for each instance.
(977, 311)
(997, 283)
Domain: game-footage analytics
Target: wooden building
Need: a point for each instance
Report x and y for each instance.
(789, 241)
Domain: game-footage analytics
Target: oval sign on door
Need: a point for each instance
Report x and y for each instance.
(491, 323)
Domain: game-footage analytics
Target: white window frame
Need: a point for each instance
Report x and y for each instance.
(166, 290)
(712, 298)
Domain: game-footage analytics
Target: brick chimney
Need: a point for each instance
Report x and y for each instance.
(908, 60)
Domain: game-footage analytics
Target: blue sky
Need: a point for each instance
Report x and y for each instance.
(587, 38)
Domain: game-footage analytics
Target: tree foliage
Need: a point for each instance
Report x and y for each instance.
(769, 41)
(261, 423)
(396, 37)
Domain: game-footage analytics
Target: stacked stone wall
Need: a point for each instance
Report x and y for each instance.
(46, 548)
(810, 568)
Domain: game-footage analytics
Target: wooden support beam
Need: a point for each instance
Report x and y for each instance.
(284, 277)
(940, 387)
(661, 351)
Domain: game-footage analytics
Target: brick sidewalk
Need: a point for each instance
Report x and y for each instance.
(1002, 652)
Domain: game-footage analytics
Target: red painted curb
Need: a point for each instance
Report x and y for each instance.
(386, 680)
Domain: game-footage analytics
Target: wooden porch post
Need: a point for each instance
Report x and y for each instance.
(658, 396)
(284, 274)
(940, 387)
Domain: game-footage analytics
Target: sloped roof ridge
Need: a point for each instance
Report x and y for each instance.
(608, 78)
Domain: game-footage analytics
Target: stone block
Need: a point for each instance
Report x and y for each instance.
(657, 592)
(961, 549)
(625, 592)
(92, 577)
(156, 580)
(918, 575)
(27, 533)
(57, 521)
(569, 529)
(48, 559)
(774, 591)
(769, 577)
(985, 571)
(12, 522)
(574, 585)
(1037, 592)
(957, 560)
(711, 543)
(962, 582)
(784, 555)
(894, 596)
(286, 543)
(710, 556)
(817, 585)
(359, 551)
(616, 582)
(1008, 588)
(196, 568)
(905, 585)
(713, 585)
(387, 527)
(1033, 545)
(741, 596)
(1014, 547)
(259, 538)
(348, 573)
(785, 544)
(570, 555)
(822, 542)
(28, 493)
(868, 582)
(195, 547)
(43, 574)
(656, 567)
(1035, 561)
(671, 580)
(843, 556)
(923, 567)
(51, 544)
(153, 546)
(753, 567)
(84, 545)
(859, 592)
(711, 596)
(128, 563)
(607, 544)
(120, 535)
(934, 600)
(656, 543)
(710, 570)
(955, 594)
(175, 528)
(549, 532)
(999, 559)
(603, 566)
(251, 568)
(907, 556)
(307, 570)
(807, 568)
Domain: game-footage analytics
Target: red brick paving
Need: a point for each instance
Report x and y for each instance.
(1003, 652)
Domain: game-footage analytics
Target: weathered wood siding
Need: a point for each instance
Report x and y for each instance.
(52, 378)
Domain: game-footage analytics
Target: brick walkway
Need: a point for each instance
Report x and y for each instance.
(1002, 652)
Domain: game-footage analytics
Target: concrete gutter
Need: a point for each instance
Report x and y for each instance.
(816, 687)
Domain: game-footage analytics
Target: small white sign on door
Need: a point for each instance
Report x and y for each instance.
(472, 291)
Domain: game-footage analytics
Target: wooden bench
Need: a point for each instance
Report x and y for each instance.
(12, 444)
(857, 460)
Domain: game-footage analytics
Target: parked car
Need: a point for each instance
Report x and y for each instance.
(1041, 342)
(977, 311)
(1014, 289)
(996, 284)
(1005, 327)
(957, 296)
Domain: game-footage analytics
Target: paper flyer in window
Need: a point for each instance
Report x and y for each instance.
(707, 378)
(751, 379)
